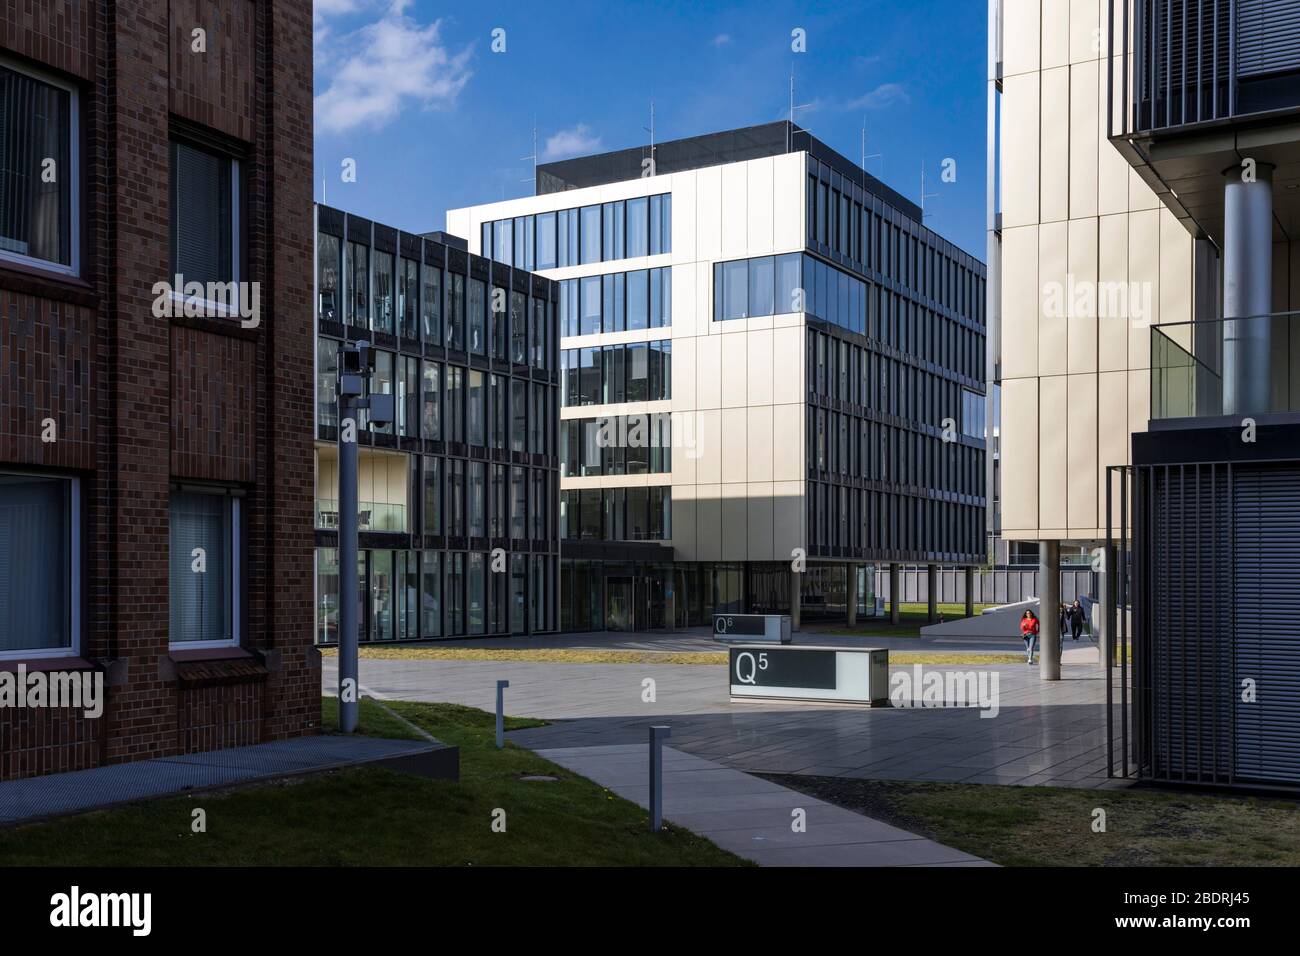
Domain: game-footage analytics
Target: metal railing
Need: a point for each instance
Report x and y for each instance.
(1181, 62)
(371, 516)
(1188, 366)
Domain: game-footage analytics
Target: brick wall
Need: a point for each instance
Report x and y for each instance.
(141, 402)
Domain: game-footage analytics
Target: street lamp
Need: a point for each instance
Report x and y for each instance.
(357, 362)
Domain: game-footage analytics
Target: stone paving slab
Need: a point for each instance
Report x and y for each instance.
(756, 823)
(99, 787)
(1044, 733)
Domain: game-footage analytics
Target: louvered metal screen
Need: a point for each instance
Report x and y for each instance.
(1208, 565)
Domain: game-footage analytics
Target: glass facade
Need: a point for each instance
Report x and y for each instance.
(625, 229)
(470, 463)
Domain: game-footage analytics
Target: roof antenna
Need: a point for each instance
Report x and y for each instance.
(654, 169)
(865, 157)
(533, 157)
(790, 127)
(924, 194)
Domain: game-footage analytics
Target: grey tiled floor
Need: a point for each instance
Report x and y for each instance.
(1044, 732)
(754, 818)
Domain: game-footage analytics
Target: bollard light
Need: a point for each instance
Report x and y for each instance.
(657, 734)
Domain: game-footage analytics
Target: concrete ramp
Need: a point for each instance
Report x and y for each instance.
(1001, 621)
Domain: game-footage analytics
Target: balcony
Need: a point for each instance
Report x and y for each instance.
(1197, 86)
(1226, 368)
(383, 489)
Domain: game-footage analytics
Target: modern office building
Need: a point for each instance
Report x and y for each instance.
(1150, 181)
(457, 512)
(772, 377)
(154, 473)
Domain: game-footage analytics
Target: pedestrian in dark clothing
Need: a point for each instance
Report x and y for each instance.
(1077, 618)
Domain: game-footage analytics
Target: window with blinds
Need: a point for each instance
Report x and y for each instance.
(204, 567)
(37, 171)
(37, 584)
(202, 214)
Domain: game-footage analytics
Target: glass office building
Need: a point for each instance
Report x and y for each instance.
(764, 354)
(458, 512)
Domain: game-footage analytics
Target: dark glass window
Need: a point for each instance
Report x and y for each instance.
(431, 423)
(477, 316)
(499, 319)
(432, 495)
(383, 279)
(477, 506)
(431, 303)
(455, 311)
(518, 503)
(518, 328)
(202, 214)
(518, 414)
(453, 425)
(409, 289)
(327, 275)
(477, 409)
(36, 215)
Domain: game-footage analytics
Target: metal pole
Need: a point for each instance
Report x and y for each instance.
(657, 734)
(348, 669)
(501, 712)
(1049, 615)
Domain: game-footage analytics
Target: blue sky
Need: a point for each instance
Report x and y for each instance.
(413, 92)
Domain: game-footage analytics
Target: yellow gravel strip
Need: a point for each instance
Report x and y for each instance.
(561, 656)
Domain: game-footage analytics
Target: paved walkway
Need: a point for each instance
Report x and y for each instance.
(99, 787)
(701, 639)
(754, 818)
(1043, 732)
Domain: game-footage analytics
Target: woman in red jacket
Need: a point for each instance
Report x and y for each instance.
(1029, 631)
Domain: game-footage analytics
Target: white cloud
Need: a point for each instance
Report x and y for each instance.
(882, 97)
(571, 142)
(375, 71)
(722, 39)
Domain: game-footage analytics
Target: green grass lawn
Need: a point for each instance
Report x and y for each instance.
(374, 817)
(911, 618)
(1052, 826)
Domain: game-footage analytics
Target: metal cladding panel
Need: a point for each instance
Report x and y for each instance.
(1266, 590)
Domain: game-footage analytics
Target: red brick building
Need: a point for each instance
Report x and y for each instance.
(156, 468)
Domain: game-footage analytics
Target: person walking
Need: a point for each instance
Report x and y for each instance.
(1076, 620)
(1029, 632)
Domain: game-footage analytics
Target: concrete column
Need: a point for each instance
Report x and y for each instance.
(1247, 288)
(932, 591)
(851, 593)
(894, 596)
(1049, 614)
(970, 592)
(796, 585)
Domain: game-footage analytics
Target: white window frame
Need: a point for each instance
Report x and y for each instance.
(236, 582)
(210, 308)
(74, 184)
(74, 576)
